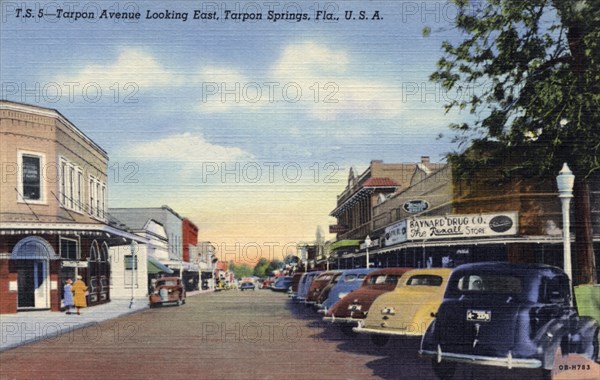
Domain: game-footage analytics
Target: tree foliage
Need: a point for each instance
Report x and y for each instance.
(240, 270)
(529, 72)
(260, 269)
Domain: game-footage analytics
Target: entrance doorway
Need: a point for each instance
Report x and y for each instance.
(32, 258)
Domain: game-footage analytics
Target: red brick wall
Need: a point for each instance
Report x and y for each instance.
(190, 236)
(8, 300)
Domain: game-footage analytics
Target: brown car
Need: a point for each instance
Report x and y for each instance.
(167, 290)
(319, 284)
(354, 307)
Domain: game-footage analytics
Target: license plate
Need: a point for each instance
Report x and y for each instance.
(354, 307)
(479, 315)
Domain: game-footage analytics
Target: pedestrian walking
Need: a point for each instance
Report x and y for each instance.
(68, 296)
(79, 292)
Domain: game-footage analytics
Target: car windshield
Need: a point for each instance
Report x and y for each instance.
(425, 280)
(490, 283)
(349, 277)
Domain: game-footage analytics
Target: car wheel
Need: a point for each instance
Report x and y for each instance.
(443, 370)
(380, 340)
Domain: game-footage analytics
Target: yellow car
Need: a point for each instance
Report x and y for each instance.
(409, 308)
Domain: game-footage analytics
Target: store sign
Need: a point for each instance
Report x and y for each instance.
(415, 206)
(396, 233)
(74, 264)
(337, 229)
(463, 226)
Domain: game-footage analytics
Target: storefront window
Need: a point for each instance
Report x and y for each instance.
(69, 249)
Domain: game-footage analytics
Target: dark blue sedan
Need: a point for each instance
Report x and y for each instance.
(247, 285)
(508, 315)
(282, 284)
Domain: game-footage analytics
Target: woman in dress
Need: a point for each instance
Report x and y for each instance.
(68, 296)
(79, 289)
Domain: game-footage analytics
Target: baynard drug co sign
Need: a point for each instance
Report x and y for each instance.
(457, 226)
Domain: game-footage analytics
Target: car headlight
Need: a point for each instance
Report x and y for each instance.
(342, 295)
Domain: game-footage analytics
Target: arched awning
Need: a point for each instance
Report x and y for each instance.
(33, 248)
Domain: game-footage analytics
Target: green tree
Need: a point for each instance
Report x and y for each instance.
(240, 270)
(274, 265)
(261, 267)
(529, 73)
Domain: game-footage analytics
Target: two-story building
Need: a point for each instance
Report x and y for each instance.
(53, 221)
(355, 204)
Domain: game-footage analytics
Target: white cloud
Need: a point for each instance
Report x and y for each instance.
(133, 65)
(308, 77)
(187, 147)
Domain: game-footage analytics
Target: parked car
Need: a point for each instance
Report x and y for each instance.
(295, 283)
(305, 281)
(319, 284)
(348, 281)
(267, 283)
(355, 306)
(247, 285)
(409, 309)
(282, 284)
(167, 290)
(510, 315)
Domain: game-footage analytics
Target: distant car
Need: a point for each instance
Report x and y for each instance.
(247, 285)
(355, 306)
(267, 283)
(347, 282)
(167, 290)
(409, 309)
(282, 284)
(508, 315)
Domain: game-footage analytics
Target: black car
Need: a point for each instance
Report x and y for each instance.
(282, 284)
(509, 315)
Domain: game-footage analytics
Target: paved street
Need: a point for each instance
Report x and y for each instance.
(224, 335)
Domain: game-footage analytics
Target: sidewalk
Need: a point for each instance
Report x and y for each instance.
(33, 326)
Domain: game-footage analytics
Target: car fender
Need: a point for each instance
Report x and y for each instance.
(584, 338)
(549, 337)
(428, 341)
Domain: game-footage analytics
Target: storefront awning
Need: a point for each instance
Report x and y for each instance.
(155, 266)
(344, 243)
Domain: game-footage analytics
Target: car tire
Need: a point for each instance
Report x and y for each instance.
(444, 370)
(380, 340)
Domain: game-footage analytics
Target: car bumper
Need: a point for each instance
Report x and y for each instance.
(507, 362)
(401, 332)
(347, 320)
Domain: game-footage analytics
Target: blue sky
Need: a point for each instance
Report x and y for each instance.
(263, 160)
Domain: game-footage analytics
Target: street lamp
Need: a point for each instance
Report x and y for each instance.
(564, 181)
(368, 244)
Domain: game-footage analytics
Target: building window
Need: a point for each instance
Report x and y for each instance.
(31, 184)
(97, 198)
(79, 190)
(92, 196)
(71, 185)
(130, 264)
(69, 249)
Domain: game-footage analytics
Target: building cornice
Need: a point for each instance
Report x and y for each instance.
(51, 113)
